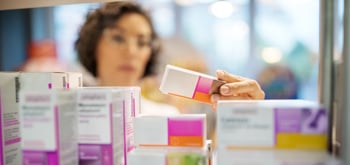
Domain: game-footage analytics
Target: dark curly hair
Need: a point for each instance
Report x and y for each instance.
(105, 17)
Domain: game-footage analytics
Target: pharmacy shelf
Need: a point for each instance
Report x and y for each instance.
(273, 157)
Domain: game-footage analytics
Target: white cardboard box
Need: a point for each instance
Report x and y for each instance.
(42, 80)
(10, 151)
(74, 80)
(187, 130)
(281, 124)
(49, 127)
(106, 132)
(189, 84)
(168, 156)
(275, 157)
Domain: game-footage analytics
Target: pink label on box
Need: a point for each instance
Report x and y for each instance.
(204, 85)
(288, 120)
(124, 131)
(185, 127)
(12, 141)
(40, 158)
(9, 123)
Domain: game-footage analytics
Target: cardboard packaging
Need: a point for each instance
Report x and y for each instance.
(106, 132)
(74, 80)
(166, 156)
(189, 84)
(10, 137)
(49, 127)
(280, 124)
(42, 80)
(177, 131)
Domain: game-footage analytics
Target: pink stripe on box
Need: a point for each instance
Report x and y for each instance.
(49, 85)
(11, 123)
(204, 85)
(124, 133)
(185, 127)
(112, 140)
(12, 141)
(1, 147)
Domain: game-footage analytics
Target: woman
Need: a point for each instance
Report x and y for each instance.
(118, 45)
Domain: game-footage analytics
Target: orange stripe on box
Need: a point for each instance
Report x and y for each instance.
(193, 141)
(203, 97)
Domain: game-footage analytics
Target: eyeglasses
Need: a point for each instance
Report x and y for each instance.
(123, 40)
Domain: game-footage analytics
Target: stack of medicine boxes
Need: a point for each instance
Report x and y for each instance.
(176, 139)
(48, 117)
(28, 111)
(259, 126)
(170, 140)
(105, 124)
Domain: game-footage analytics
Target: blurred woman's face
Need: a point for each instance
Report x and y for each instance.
(123, 51)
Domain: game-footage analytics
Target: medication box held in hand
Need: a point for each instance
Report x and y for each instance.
(189, 84)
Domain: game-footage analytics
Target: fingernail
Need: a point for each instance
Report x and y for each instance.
(224, 89)
(214, 98)
(220, 73)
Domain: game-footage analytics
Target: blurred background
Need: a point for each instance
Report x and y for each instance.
(275, 42)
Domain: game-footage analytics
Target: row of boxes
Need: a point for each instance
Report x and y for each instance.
(108, 128)
(83, 126)
(10, 85)
(48, 124)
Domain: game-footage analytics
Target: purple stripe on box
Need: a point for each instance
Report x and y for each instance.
(288, 120)
(204, 85)
(89, 152)
(107, 153)
(12, 141)
(34, 157)
(124, 134)
(185, 127)
(94, 154)
(1, 143)
(40, 158)
(49, 85)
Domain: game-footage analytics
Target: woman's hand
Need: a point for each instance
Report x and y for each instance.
(237, 88)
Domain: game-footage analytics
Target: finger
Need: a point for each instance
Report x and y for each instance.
(236, 88)
(250, 87)
(215, 98)
(227, 77)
